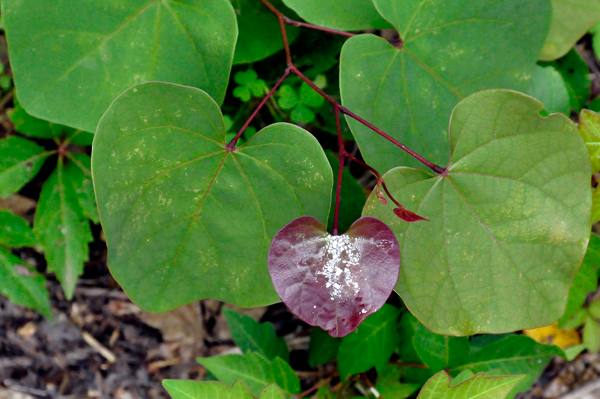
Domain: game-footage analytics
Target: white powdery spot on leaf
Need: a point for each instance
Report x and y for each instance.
(340, 255)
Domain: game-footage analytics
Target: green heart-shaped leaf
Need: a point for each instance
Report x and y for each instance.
(184, 217)
(71, 58)
(509, 220)
(450, 49)
(339, 14)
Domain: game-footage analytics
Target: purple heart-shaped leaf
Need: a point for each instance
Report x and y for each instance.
(334, 282)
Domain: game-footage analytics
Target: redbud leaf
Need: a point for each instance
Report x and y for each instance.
(450, 49)
(509, 219)
(334, 282)
(184, 217)
(71, 58)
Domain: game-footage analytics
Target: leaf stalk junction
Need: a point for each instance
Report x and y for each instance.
(400, 210)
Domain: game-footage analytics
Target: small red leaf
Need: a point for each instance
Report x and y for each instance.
(334, 282)
(408, 216)
(382, 200)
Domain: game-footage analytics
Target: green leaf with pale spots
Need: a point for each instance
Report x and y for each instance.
(476, 387)
(509, 220)
(211, 390)
(571, 19)
(23, 286)
(61, 226)
(253, 370)
(71, 58)
(186, 219)
(589, 129)
(339, 14)
(450, 50)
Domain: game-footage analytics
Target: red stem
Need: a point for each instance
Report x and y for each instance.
(351, 114)
(231, 145)
(317, 27)
(339, 108)
(338, 192)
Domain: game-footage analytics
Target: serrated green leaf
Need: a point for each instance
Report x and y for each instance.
(462, 377)
(252, 336)
(571, 19)
(61, 227)
(352, 199)
(389, 385)
(20, 161)
(253, 370)
(78, 137)
(211, 390)
(260, 35)
(23, 286)
(84, 187)
(185, 218)
(589, 129)
(509, 220)
(322, 348)
(515, 354)
(548, 86)
(479, 386)
(575, 73)
(371, 344)
(71, 59)
(339, 14)
(14, 231)
(450, 50)
(438, 352)
(585, 281)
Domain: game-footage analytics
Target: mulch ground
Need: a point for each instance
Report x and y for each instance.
(101, 345)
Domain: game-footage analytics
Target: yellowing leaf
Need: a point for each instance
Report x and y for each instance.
(553, 334)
